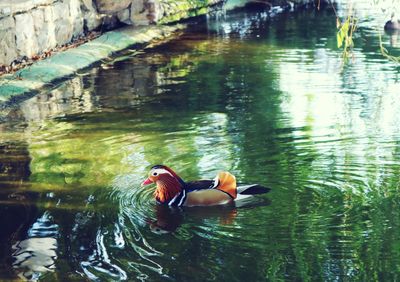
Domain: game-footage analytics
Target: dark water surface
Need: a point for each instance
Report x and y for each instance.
(268, 99)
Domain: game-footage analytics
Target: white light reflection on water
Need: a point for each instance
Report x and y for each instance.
(100, 262)
(37, 254)
(353, 114)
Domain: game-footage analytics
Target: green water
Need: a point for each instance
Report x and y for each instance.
(268, 99)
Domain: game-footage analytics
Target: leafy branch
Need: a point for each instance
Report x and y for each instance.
(344, 35)
(386, 53)
(346, 31)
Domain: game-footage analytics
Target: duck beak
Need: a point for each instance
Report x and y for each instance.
(147, 182)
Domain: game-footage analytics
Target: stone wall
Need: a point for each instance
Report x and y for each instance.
(30, 27)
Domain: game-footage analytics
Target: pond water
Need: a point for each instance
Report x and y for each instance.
(266, 98)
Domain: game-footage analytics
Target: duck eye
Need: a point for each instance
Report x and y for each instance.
(155, 173)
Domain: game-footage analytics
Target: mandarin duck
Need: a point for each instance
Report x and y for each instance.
(173, 191)
(392, 25)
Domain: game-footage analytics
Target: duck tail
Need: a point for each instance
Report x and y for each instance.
(252, 189)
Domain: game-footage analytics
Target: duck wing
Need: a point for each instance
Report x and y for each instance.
(199, 185)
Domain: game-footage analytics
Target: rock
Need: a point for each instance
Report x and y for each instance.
(48, 14)
(45, 31)
(111, 7)
(76, 18)
(63, 26)
(139, 13)
(152, 7)
(41, 31)
(5, 11)
(6, 24)
(87, 5)
(124, 16)
(7, 45)
(91, 19)
(26, 42)
(110, 22)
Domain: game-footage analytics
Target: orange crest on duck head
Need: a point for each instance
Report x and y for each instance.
(158, 171)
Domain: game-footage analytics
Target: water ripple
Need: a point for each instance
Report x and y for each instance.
(135, 212)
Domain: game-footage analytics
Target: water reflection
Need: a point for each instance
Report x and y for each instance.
(36, 254)
(253, 95)
(90, 93)
(99, 262)
(169, 219)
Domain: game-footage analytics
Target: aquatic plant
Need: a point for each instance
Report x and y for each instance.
(347, 29)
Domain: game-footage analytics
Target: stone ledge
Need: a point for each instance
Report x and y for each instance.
(45, 73)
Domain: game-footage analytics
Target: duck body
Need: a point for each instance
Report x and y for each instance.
(393, 24)
(173, 191)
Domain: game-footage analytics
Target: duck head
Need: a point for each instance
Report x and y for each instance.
(169, 184)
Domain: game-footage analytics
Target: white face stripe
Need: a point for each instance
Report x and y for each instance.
(159, 171)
